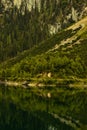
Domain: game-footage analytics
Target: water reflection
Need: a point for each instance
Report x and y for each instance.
(23, 109)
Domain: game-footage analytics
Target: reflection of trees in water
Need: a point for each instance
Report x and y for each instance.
(48, 98)
(47, 105)
(25, 109)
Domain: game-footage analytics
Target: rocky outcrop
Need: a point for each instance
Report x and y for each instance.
(58, 14)
(74, 16)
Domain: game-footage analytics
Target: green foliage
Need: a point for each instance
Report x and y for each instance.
(21, 29)
(41, 60)
(35, 50)
(51, 62)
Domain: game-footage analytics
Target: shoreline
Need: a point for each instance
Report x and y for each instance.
(81, 84)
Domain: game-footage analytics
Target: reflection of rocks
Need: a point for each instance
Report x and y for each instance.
(49, 95)
(69, 121)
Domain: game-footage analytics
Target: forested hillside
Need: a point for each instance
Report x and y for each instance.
(60, 56)
(29, 23)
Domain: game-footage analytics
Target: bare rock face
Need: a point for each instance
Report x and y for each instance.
(60, 13)
(74, 16)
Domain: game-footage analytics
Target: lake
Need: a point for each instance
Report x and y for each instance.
(49, 108)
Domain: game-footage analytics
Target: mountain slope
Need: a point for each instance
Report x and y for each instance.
(61, 56)
(22, 28)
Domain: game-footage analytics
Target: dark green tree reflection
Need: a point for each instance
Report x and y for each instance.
(23, 109)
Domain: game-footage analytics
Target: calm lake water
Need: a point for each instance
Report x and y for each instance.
(31, 109)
